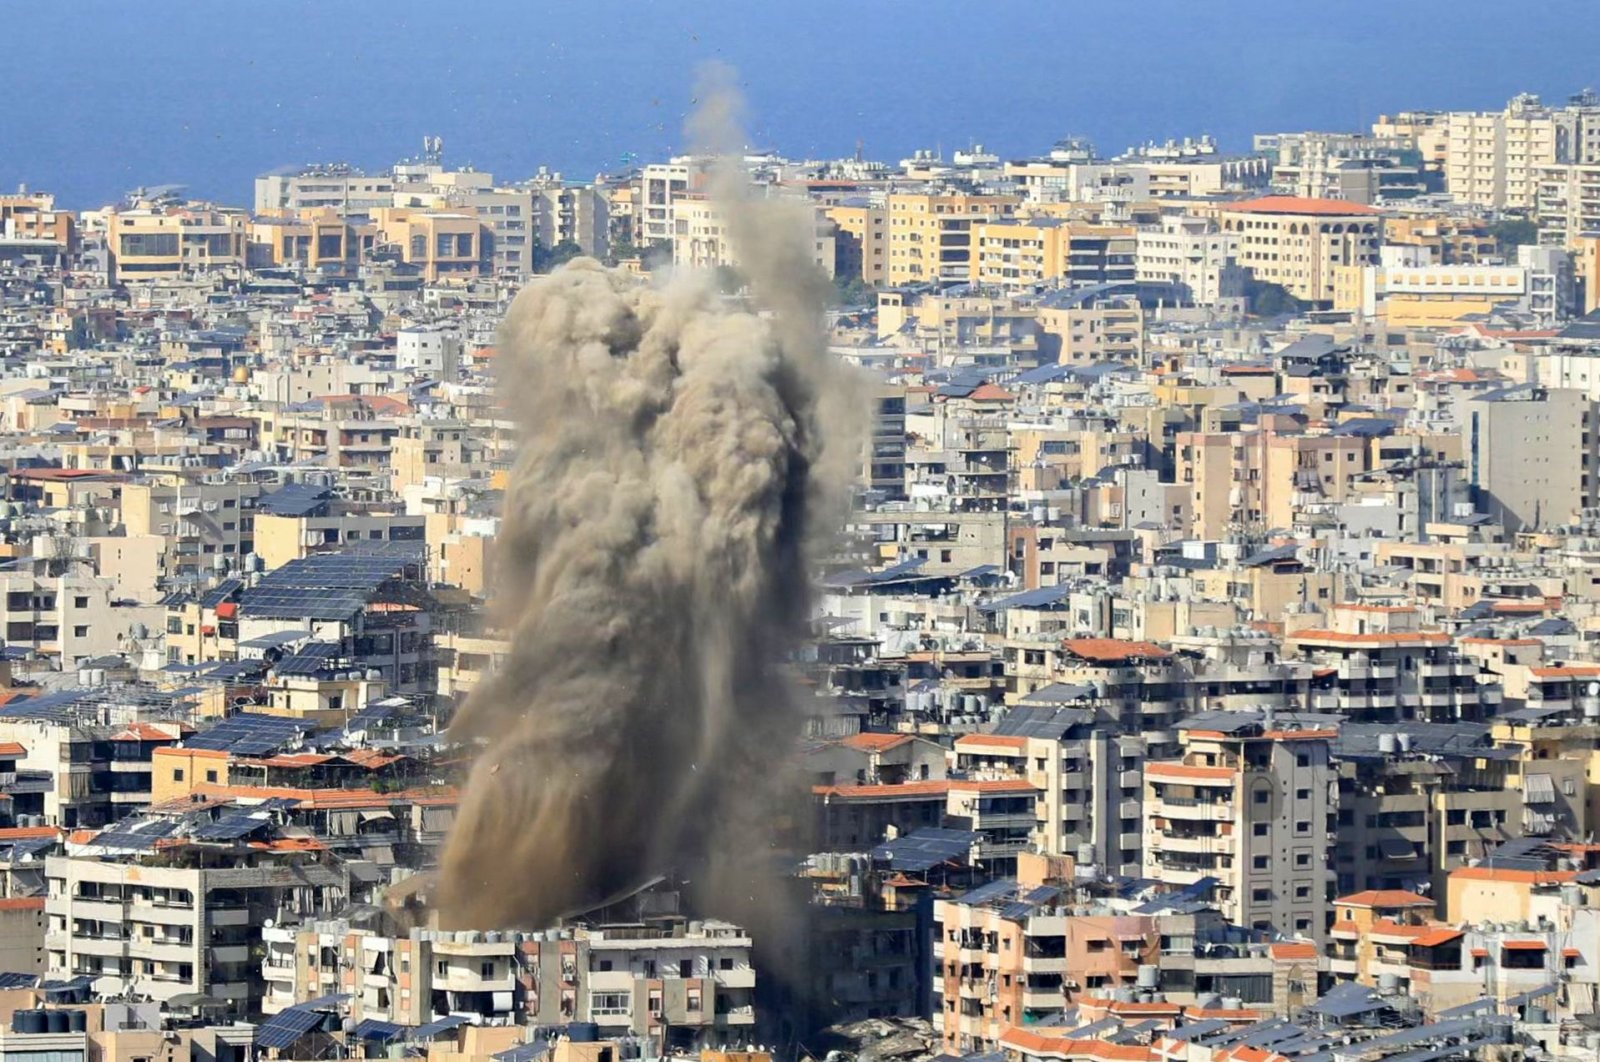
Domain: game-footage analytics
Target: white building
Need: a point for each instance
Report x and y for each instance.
(1191, 254)
(428, 350)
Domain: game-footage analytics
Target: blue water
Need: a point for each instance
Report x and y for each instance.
(99, 97)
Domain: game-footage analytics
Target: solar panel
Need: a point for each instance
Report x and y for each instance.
(434, 1028)
(311, 659)
(230, 827)
(287, 1026)
(925, 848)
(220, 593)
(138, 835)
(373, 1029)
(1003, 889)
(18, 980)
(249, 734)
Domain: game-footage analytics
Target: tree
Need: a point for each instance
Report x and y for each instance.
(545, 260)
(1271, 300)
(1513, 232)
(852, 293)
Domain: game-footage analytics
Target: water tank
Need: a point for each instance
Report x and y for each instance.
(57, 1021)
(28, 1021)
(1232, 1003)
(1388, 983)
(78, 1020)
(1535, 1015)
(1386, 743)
(1149, 976)
(1404, 741)
(970, 704)
(1085, 855)
(583, 1032)
(1124, 995)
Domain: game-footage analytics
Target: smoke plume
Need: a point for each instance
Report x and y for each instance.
(680, 460)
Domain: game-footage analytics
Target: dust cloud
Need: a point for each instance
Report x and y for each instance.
(682, 458)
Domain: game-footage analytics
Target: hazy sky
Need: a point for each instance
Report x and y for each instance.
(97, 97)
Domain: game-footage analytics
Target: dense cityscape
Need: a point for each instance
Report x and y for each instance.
(1207, 669)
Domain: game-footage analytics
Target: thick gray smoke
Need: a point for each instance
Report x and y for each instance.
(680, 460)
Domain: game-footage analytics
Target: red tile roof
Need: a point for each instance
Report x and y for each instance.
(1294, 204)
(1384, 898)
(875, 742)
(1113, 650)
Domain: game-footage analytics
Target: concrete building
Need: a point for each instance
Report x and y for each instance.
(1190, 257)
(1531, 455)
(428, 351)
(861, 241)
(337, 187)
(931, 234)
(1300, 243)
(1251, 806)
(1494, 158)
(163, 930)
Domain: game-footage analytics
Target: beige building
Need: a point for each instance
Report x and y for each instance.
(1251, 807)
(1493, 157)
(154, 242)
(1047, 250)
(1190, 255)
(701, 240)
(1300, 243)
(1568, 204)
(861, 241)
(930, 235)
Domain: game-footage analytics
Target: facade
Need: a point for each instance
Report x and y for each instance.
(1190, 257)
(1300, 243)
(931, 235)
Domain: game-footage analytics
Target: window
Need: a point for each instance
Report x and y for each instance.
(1261, 796)
(1261, 862)
(80, 602)
(1302, 759)
(1302, 892)
(80, 631)
(211, 776)
(1260, 895)
(1262, 829)
(1302, 794)
(1303, 826)
(177, 774)
(1302, 859)
(486, 970)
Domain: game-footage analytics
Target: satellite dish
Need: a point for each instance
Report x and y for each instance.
(1593, 689)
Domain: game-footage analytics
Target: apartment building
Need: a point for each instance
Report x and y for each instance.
(429, 351)
(1083, 328)
(201, 522)
(1442, 239)
(1493, 158)
(1189, 257)
(27, 217)
(439, 243)
(145, 924)
(1568, 203)
(567, 213)
(1300, 243)
(152, 242)
(315, 239)
(1252, 806)
(1044, 250)
(701, 238)
(336, 187)
(1531, 454)
(690, 981)
(931, 234)
(861, 241)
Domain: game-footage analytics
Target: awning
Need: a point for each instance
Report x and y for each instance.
(1524, 945)
(1536, 823)
(377, 815)
(1538, 789)
(1397, 848)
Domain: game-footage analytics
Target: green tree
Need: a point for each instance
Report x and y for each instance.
(1271, 300)
(1510, 233)
(852, 293)
(547, 259)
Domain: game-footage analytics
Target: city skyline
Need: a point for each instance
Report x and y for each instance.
(510, 92)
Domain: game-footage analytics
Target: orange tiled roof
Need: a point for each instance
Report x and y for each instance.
(869, 742)
(1005, 741)
(22, 903)
(1531, 877)
(1384, 898)
(1293, 949)
(1113, 650)
(1184, 770)
(9, 749)
(1319, 635)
